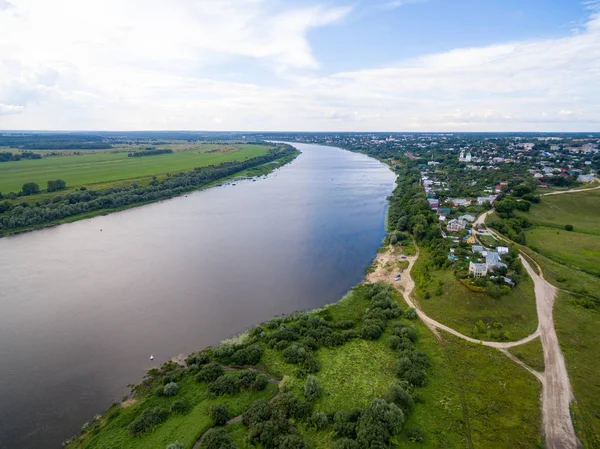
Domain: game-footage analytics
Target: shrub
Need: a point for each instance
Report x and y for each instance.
(415, 434)
(294, 354)
(310, 364)
(160, 390)
(209, 373)
(569, 228)
(293, 442)
(402, 398)
(180, 406)
(175, 445)
(219, 414)
(378, 423)
(248, 356)
(216, 439)
(260, 383)
(170, 389)
(287, 406)
(312, 389)
(270, 433)
(197, 359)
(224, 351)
(258, 412)
(151, 417)
(411, 314)
(319, 421)
(371, 331)
(345, 443)
(225, 384)
(345, 422)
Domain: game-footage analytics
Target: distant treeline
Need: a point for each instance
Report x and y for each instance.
(6, 156)
(151, 152)
(67, 146)
(83, 200)
(55, 141)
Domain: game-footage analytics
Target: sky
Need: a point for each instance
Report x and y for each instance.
(300, 65)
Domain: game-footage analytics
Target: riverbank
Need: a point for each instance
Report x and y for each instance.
(259, 170)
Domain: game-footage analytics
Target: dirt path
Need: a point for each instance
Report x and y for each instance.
(571, 190)
(556, 388)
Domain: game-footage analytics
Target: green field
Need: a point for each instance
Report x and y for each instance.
(108, 167)
(580, 209)
(532, 354)
(460, 308)
(573, 249)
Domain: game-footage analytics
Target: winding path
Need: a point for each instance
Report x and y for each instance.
(556, 388)
(572, 190)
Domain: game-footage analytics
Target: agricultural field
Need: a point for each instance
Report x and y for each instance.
(573, 249)
(580, 209)
(102, 169)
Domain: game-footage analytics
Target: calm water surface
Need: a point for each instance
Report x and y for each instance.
(81, 309)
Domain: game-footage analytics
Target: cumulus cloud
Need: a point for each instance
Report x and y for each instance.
(136, 64)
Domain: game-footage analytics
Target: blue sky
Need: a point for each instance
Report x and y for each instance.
(380, 65)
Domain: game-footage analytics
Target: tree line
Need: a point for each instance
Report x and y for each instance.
(85, 201)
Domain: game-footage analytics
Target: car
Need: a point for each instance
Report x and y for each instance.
(398, 277)
(404, 257)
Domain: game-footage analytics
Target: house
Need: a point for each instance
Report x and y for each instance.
(444, 211)
(469, 218)
(481, 200)
(434, 203)
(477, 249)
(585, 178)
(460, 202)
(508, 281)
(455, 225)
(477, 269)
(502, 250)
(492, 260)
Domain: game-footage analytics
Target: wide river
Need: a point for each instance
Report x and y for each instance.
(84, 305)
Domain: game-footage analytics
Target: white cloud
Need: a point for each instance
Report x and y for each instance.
(136, 64)
(393, 4)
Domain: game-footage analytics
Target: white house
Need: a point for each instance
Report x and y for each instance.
(477, 269)
(502, 249)
(469, 218)
(455, 225)
(482, 199)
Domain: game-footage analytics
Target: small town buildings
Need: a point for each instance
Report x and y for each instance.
(478, 269)
(481, 200)
(502, 249)
(460, 202)
(585, 178)
(455, 225)
(478, 249)
(469, 218)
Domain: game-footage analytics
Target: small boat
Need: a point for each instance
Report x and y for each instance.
(151, 357)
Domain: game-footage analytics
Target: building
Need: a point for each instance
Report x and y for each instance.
(477, 269)
(585, 178)
(455, 225)
(469, 218)
(481, 200)
(434, 203)
(478, 249)
(460, 202)
(502, 250)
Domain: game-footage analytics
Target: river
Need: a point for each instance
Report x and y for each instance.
(84, 305)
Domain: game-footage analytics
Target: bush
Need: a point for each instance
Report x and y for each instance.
(271, 433)
(170, 389)
(415, 435)
(569, 228)
(345, 443)
(402, 398)
(312, 389)
(293, 442)
(197, 359)
(258, 412)
(225, 384)
(219, 414)
(151, 417)
(248, 356)
(216, 439)
(209, 373)
(287, 406)
(319, 421)
(180, 406)
(371, 331)
(345, 422)
(378, 423)
(411, 314)
(394, 342)
(175, 445)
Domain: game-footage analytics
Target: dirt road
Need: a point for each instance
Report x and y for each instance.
(571, 191)
(556, 388)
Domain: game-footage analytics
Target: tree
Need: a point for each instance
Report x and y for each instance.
(217, 439)
(170, 389)
(219, 414)
(402, 398)
(312, 389)
(30, 188)
(569, 228)
(378, 423)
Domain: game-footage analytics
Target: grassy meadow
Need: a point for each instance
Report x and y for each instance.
(104, 168)
(580, 209)
(532, 354)
(573, 249)
(460, 308)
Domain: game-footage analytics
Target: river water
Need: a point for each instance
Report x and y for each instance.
(83, 305)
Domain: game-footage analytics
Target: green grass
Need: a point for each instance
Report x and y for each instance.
(579, 333)
(580, 209)
(573, 249)
(184, 428)
(460, 307)
(501, 400)
(105, 168)
(532, 354)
